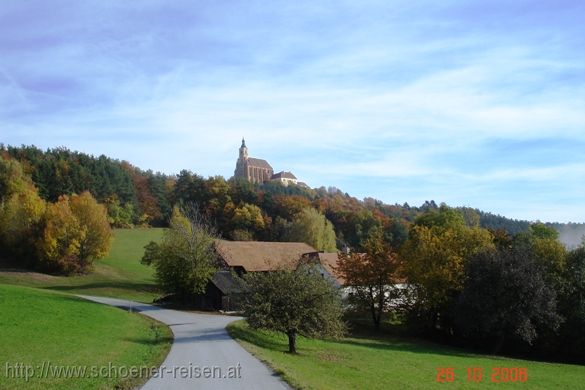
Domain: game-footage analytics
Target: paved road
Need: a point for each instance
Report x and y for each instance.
(201, 341)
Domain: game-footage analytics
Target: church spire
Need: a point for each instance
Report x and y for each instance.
(243, 150)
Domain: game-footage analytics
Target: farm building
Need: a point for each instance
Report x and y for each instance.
(236, 258)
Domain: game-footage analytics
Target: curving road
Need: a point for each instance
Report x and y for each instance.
(203, 355)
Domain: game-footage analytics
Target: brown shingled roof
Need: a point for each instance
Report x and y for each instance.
(283, 174)
(261, 256)
(329, 261)
(258, 163)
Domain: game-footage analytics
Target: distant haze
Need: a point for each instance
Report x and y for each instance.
(571, 234)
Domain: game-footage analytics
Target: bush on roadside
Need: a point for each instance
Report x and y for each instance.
(185, 259)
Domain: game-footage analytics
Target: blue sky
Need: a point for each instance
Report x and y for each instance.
(475, 103)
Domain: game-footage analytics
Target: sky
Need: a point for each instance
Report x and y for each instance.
(472, 103)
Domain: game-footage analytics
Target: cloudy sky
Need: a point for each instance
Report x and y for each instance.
(475, 103)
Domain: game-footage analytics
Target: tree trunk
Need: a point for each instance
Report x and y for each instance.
(499, 345)
(375, 317)
(292, 341)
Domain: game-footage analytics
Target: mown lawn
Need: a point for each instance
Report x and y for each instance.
(391, 363)
(118, 275)
(46, 327)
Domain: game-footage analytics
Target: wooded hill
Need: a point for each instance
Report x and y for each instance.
(239, 209)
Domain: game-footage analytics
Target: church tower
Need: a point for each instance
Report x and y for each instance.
(252, 169)
(243, 150)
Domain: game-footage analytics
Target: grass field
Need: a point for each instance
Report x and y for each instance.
(118, 275)
(368, 363)
(45, 327)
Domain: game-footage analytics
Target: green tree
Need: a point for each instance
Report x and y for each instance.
(299, 302)
(572, 305)
(506, 297)
(311, 227)
(185, 259)
(119, 216)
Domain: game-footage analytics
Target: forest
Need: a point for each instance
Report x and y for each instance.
(239, 210)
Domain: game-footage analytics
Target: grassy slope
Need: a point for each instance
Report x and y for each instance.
(119, 275)
(39, 326)
(361, 363)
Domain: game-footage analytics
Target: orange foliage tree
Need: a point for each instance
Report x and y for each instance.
(371, 277)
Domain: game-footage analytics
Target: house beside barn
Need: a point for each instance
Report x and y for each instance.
(326, 263)
(236, 258)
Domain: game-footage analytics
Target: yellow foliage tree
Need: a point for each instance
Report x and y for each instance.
(434, 257)
(76, 232)
(95, 230)
(20, 222)
(59, 243)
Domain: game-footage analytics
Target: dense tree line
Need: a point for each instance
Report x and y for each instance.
(516, 293)
(63, 236)
(238, 209)
(132, 196)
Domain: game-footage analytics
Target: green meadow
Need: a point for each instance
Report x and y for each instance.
(119, 275)
(392, 363)
(46, 331)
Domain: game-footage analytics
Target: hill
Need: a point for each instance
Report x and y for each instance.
(239, 209)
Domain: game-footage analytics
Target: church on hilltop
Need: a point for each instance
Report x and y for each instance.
(260, 171)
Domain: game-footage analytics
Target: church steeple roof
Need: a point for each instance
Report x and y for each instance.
(243, 142)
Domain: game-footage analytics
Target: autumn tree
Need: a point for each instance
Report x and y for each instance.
(21, 213)
(288, 206)
(549, 251)
(433, 261)
(76, 232)
(58, 246)
(247, 218)
(218, 190)
(94, 228)
(21, 221)
(299, 302)
(311, 227)
(12, 178)
(371, 277)
(185, 259)
(147, 203)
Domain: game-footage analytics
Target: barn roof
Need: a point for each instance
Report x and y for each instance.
(260, 255)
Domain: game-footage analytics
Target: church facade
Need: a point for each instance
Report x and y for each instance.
(257, 170)
(252, 169)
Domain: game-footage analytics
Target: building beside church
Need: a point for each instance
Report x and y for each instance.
(257, 170)
(285, 178)
(226, 291)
